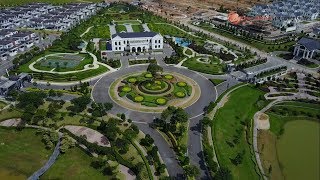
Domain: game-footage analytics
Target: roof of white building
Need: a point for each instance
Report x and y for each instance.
(311, 44)
(135, 34)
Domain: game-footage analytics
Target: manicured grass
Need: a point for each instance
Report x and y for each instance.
(74, 164)
(188, 52)
(100, 31)
(217, 81)
(298, 150)
(2, 104)
(9, 114)
(230, 136)
(70, 77)
(22, 153)
(137, 28)
(120, 28)
(195, 65)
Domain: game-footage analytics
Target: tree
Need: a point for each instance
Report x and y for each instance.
(80, 103)
(223, 174)
(108, 106)
(191, 171)
(154, 69)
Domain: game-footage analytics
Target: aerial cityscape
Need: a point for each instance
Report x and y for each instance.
(160, 89)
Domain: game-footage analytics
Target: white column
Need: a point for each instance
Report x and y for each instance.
(304, 53)
(295, 50)
(311, 54)
(308, 54)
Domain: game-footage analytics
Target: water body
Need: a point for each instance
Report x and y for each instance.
(298, 150)
(182, 41)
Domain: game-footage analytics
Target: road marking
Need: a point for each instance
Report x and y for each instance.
(196, 116)
(139, 122)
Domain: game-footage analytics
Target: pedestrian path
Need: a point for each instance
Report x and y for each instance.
(145, 27)
(128, 27)
(112, 29)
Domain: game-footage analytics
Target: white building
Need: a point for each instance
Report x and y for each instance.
(136, 41)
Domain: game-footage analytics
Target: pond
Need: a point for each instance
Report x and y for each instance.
(298, 150)
(182, 41)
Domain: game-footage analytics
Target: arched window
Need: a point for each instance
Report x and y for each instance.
(116, 43)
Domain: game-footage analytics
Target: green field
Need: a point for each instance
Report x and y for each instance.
(100, 31)
(137, 28)
(74, 164)
(121, 28)
(217, 81)
(22, 153)
(195, 65)
(2, 104)
(8, 114)
(230, 136)
(298, 150)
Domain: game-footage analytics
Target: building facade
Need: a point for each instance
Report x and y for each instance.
(306, 48)
(136, 42)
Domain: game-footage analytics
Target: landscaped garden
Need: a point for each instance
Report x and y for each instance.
(153, 90)
(208, 65)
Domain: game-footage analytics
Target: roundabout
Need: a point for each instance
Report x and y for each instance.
(169, 90)
(145, 92)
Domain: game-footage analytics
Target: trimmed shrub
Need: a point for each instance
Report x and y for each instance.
(138, 99)
(181, 84)
(161, 101)
(180, 94)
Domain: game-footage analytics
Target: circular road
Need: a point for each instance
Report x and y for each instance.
(100, 92)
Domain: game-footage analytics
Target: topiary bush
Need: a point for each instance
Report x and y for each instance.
(180, 94)
(126, 89)
(181, 84)
(138, 98)
(161, 101)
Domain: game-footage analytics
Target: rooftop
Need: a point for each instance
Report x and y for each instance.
(311, 44)
(134, 34)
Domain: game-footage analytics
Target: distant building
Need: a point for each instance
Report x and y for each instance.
(288, 12)
(136, 42)
(307, 47)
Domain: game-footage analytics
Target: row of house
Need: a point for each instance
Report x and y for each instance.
(14, 41)
(46, 16)
(287, 13)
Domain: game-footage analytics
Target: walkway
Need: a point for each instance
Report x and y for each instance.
(145, 27)
(128, 27)
(112, 29)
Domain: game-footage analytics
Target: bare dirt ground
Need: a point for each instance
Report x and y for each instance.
(269, 158)
(10, 122)
(92, 136)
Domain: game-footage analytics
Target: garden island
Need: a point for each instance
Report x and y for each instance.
(118, 90)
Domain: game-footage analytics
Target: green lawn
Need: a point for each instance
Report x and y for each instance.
(100, 31)
(74, 164)
(230, 136)
(188, 52)
(2, 104)
(21, 153)
(120, 28)
(137, 28)
(70, 77)
(8, 114)
(195, 65)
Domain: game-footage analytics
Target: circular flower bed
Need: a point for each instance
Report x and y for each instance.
(138, 99)
(148, 75)
(181, 84)
(168, 76)
(180, 94)
(161, 101)
(132, 80)
(126, 89)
